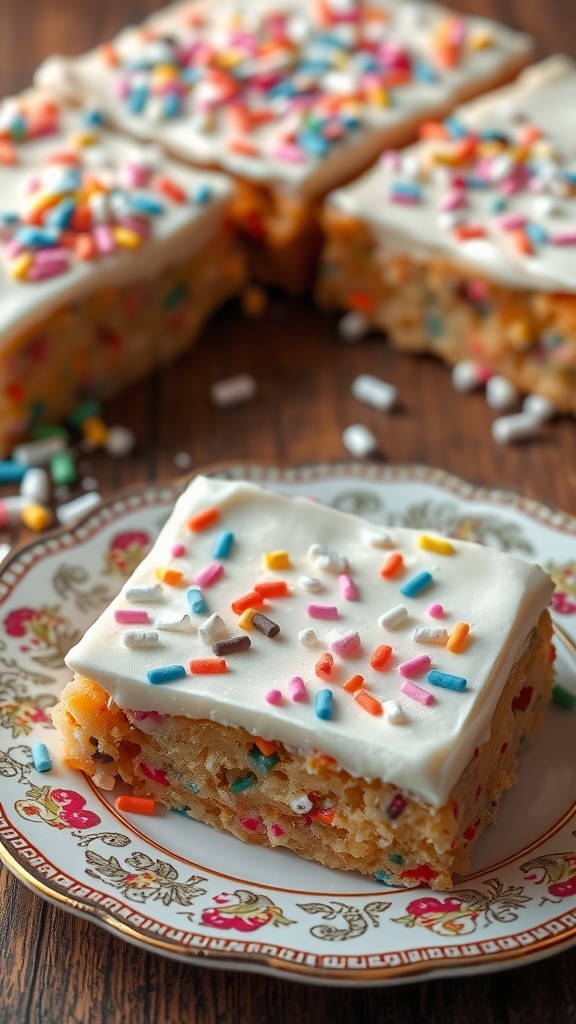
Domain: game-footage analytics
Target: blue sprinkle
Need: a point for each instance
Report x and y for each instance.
(193, 787)
(202, 195)
(324, 703)
(9, 218)
(41, 757)
(223, 545)
(434, 325)
(446, 680)
(61, 215)
(37, 238)
(68, 181)
(570, 177)
(456, 128)
(283, 90)
(166, 673)
(171, 104)
(405, 188)
(536, 233)
(92, 119)
(472, 182)
(314, 144)
(196, 601)
(11, 472)
(498, 204)
(137, 99)
(416, 584)
(349, 121)
(190, 75)
(140, 203)
(424, 72)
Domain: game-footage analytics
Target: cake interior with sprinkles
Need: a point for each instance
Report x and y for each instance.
(302, 678)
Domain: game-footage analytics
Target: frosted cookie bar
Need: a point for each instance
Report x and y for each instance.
(111, 259)
(464, 244)
(301, 678)
(292, 98)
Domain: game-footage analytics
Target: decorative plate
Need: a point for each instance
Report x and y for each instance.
(172, 885)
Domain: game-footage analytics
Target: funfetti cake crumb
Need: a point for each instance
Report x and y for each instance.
(390, 701)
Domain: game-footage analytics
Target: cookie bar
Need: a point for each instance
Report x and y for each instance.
(291, 98)
(301, 678)
(464, 244)
(111, 259)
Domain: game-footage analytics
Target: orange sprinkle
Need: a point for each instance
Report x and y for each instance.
(266, 747)
(109, 55)
(380, 657)
(324, 666)
(393, 564)
(360, 301)
(521, 242)
(458, 638)
(85, 247)
(322, 817)
(172, 577)
(208, 666)
(64, 156)
(8, 154)
(528, 134)
(251, 600)
(135, 804)
(396, 76)
(321, 761)
(369, 703)
(353, 684)
(464, 232)
(203, 520)
(169, 188)
(81, 218)
(272, 588)
(434, 130)
(244, 146)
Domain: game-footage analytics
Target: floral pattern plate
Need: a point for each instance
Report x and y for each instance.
(172, 885)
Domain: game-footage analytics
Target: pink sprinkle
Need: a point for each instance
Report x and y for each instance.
(288, 152)
(43, 268)
(13, 249)
(153, 716)
(416, 693)
(564, 238)
(512, 221)
(276, 830)
(347, 588)
(32, 184)
(347, 643)
(252, 824)
(435, 611)
(121, 88)
(156, 774)
(391, 160)
(103, 238)
(135, 175)
(297, 689)
(273, 697)
(453, 200)
(415, 666)
(177, 550)
(322, 611)
(140, 227)
(131, 616)
(209, 574)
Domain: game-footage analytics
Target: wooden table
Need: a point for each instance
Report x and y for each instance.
(56, 968)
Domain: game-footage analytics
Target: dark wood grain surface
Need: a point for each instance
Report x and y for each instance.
(55, 968)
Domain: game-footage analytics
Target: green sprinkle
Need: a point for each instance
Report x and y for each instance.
(563, 698)
(175, 297)
(260, 761)
(49, 430)
(396, 858)
(180, 810)
(62, 469)
(242, 783)
(35, 412)
(84, 411)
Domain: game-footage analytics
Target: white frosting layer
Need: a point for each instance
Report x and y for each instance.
(544, 96)
(499, 596)
(176, 234)
(331, 71)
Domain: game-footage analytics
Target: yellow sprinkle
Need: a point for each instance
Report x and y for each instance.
(172, 577)
(127, 238)
(43, 200)
(254, 300)
(83, 139)
(544, 148)
(379, 97)
(458, 638)
(277, 560)
(439, 545)
(164, 73)
(480, 39)
(520, 334)
(95, 430)
(245, 620)
(36, 517)
(18, 268)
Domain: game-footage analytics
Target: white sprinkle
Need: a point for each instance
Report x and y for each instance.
(378, 540)
(69, 511)
(468, 375)
(4, 549)
(302, 805)
(176, 622)
(315, 550)
(233, 390)
(539, 407)
(393, 712)
(393, 617)
(375, 392)
(120, 442)
(500, 393)
(333, 562)
(35, 485)
(212, 629)
(545, 206)
(359, 441)
(137, 594)
(310, 584)
(183, 460)
(38, 453)
(514, 428)
(89, 483)
(141, 638)
(430, 635)
(307, 637)
(353, 326)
